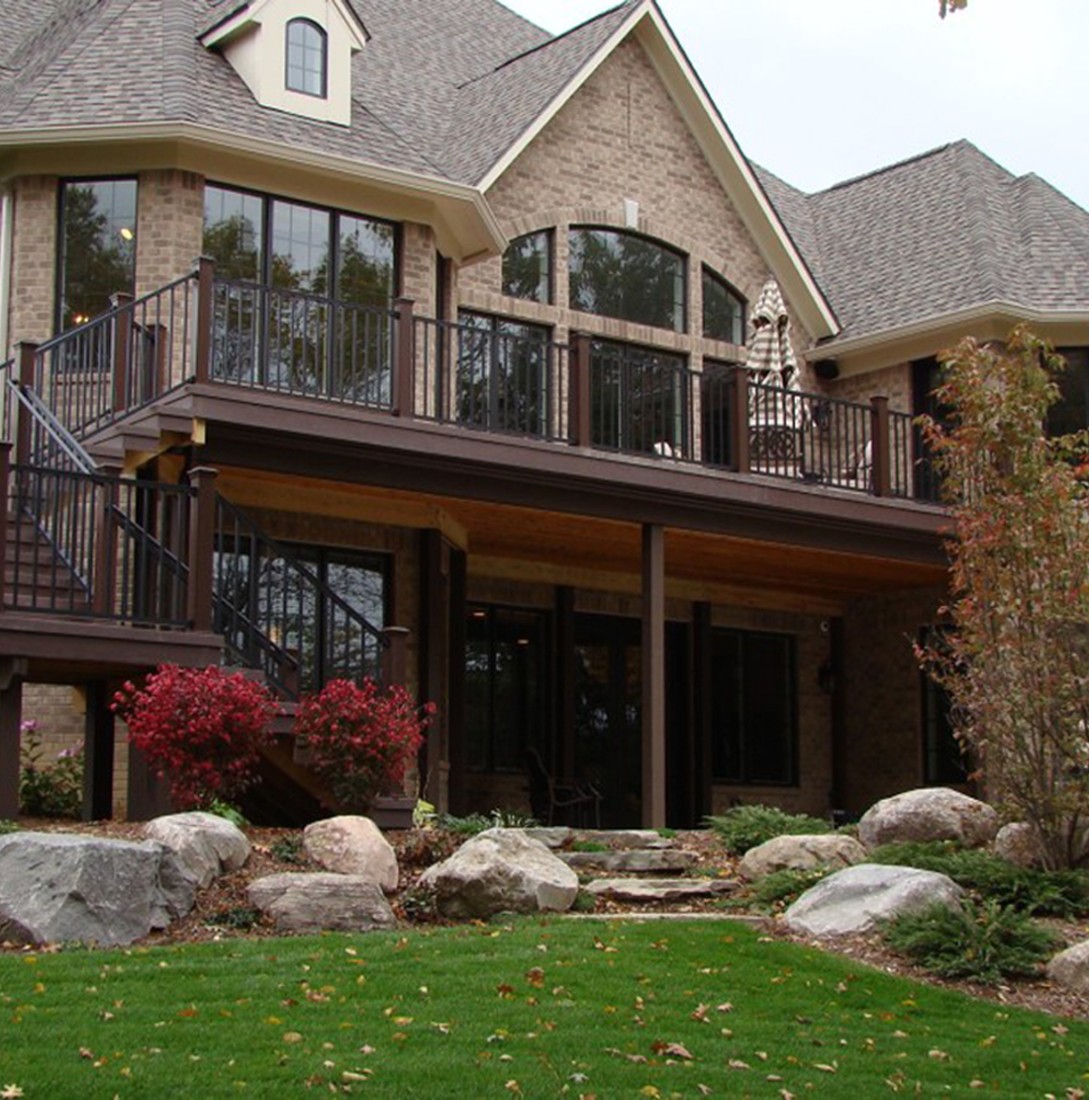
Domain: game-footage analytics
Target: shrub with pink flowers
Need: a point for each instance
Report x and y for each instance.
(200, 729)
(361, 738)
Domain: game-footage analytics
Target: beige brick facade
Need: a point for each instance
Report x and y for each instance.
(169, 227)
(33, 259)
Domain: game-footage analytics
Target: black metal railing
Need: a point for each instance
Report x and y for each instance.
(290, 341)
(278, 616)
(97, 546)
(491, 380)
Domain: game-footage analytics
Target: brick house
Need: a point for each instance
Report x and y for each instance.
(456, 394)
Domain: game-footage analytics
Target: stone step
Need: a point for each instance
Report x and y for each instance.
(561, 836)
(659, 889)
(632, 861)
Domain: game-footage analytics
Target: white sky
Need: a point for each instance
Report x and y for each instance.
(819, 91)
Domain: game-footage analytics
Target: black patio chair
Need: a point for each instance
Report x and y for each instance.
(573, 801)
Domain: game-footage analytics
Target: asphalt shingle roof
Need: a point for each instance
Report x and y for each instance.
(944, 231)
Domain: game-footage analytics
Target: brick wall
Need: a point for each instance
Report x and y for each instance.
(891, 382)
(33, 258)
(169, 227)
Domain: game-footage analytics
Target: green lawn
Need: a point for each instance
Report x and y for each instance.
(533, 1009)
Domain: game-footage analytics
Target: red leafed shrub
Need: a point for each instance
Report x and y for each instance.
(361, 738)
(201, 729)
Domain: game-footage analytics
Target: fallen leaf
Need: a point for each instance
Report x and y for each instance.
(292, 1037)
(724, 1007)
(11, 1092)
(938, 1055)
(671, 1050)
(736, 1063)
(700, 1013)
(535, 976)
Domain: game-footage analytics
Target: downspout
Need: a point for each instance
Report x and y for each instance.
(7, 207)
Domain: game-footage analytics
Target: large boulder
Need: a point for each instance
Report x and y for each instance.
(1017, 843)
(322, 902)
(800, 853)
(858, 898)
(352, 845)
(497, 871)
(207, 845)
(931, 813)
(1070, 968)
(64, 888)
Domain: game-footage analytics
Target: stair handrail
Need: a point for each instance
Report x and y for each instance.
(41, 415)
(328, 597)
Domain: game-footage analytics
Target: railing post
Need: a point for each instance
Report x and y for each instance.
(739, 428)
(28, 352)
(404, 359)
(395, 655)
(122, 343)
(5, 477)
(202, 543)
(104, 576)
(202, 359)
(882, 450)
(580, 427)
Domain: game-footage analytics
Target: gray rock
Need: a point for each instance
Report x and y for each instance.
(322, 902)
(800, 853)
(205, 844)
(61, 888)
(930, 813)
(633, 861)
(627, 838)
(1070, 968)
(1017, 843)
(501, 870)
(858, 898)
(659, 889)
(352, 845)
(552, 836)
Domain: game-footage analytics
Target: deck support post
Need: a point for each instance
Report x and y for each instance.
(653, 652)
(579, 427)
(98, 744)
(403, 388)
(202, 353)
(11, 716)
(122, 343)
(202, 543)
(882, 450)
(739, 409)
(28, 352)
(5, 489)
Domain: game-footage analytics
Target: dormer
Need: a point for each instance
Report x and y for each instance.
(294, 55)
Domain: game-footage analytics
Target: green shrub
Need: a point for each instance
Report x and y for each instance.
(287, 849)
(1033, 892)
(744, 827)
(588, 846)
(471, 824)
(7, 826)
(240, 917)
(228, 812)
(49, 790)
(983, 942)
(775, 892)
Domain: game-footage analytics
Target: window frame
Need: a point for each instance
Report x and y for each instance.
(680, 323)
(548, 253)
(303, 23)
(61, 248)
(708, 274)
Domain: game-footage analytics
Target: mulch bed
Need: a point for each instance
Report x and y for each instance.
(221, 910)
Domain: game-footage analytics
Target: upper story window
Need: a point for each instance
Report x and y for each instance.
(97, 247)
(1071, 412)
(307, 58)
(723, 310)
(527, 267)
(622, 275)
(295, 246)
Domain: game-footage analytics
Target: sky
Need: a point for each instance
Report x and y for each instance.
(820, 91)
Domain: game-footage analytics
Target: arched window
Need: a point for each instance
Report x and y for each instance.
(307, 58)
(723, 310)
(622, 275)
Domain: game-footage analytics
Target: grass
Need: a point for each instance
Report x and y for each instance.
(534, 1008)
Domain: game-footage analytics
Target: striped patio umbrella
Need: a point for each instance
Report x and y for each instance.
(774, 368)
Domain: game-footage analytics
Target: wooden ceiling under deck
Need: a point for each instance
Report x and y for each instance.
(535, 545)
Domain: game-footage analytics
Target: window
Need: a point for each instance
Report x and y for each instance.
(638, 400)
(943, 761)
(723, 310)
(502, 379)
(306, 58)
(97, 247)
(505, 695)
(753, 707)
(527, 267)
(1071, 412)
(617, 274)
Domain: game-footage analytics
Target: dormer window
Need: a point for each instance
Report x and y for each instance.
(307, 58)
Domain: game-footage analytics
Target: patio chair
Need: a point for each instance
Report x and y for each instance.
(574, 801)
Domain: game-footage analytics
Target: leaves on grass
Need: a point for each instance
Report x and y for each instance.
(10, 1092)
(672, 1050)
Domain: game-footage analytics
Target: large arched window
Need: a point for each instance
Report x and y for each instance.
(723, 310)
(618, 274)
(307, 58)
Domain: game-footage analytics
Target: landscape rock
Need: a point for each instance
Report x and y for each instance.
(322, 902)
(633, 861)
(501, 870)
(801, 853)
(352, 845)
(858, 898)
(62, 888)
(207, 845)
(659, 889)
(552, 836)
(1017, 843)
(930, 813)
(627, 838)
(1070, 968)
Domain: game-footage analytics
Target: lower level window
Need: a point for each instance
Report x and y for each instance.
(754, 707)
(504, 686)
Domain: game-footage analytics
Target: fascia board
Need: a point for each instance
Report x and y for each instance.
(467, 224)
